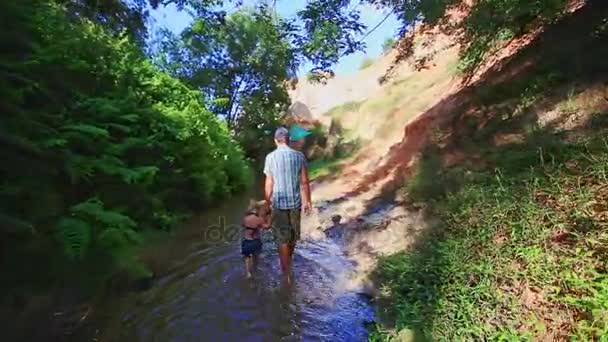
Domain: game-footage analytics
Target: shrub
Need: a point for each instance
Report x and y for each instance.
(389, 44)
(96, 141)
(367, 62)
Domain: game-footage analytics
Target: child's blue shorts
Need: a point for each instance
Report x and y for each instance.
(251, 247)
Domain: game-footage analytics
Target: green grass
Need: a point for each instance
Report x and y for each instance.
(452, 67)
(366, 63)
(323, 167)
(344, 150)
(521, 251)
(349, 107)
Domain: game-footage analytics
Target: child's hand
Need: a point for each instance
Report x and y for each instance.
(264, 222)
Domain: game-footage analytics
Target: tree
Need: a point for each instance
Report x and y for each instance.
(227, 56)
(366, 63)
(327, 30)
(330, 32)
(389, 44)
(321, 33)
(240, 62)
(116, 16)
(82, 129)
(487, 24)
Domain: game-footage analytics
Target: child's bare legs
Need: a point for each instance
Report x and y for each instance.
(249, 266)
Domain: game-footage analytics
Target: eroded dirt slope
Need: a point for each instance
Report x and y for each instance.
(396, 121)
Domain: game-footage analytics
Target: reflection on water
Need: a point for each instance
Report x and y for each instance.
(206, 297)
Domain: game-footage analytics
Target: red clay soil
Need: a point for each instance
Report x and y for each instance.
(415, 138)
(519, 58)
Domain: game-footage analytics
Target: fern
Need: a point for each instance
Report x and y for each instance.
(88, 130)
(112, 238)
(113, 124)
(116, 219)
(119, 127)
(127, 144)
(142, 174)
(93, 209)
(132, 236)
(128, 261)
(130, 117)
(116, 238)
(116, 231)
(54, 142)
(79, 167)
(75, 235)
(109, 165)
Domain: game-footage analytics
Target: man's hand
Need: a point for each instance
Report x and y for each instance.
(305, 191)
(268, 185)
(268, 206)
(307, 208)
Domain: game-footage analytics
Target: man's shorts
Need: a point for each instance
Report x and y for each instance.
(286, 225)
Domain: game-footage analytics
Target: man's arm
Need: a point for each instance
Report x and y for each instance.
(268, 184)
(305, 190)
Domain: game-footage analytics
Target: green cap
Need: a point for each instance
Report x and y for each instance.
(296, 132)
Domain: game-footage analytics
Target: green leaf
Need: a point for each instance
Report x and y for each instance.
(119, 127)
(89, 130)
(94, 209)
(54, 142)
(130, 117)
(112, 238)
(127, 144)
(79, 167)
(142, 174)
(75, 235)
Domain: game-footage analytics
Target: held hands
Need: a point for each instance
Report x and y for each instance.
(267, 214)
(267, 206)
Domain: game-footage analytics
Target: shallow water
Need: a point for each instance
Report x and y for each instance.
(205, 296)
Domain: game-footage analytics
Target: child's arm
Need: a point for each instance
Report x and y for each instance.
(265, 222)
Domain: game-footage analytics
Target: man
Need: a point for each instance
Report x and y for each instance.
(287, 190)
(297, 135)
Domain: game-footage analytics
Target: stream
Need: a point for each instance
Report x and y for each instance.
(204, 296)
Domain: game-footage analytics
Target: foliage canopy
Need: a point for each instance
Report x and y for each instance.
(97, 142)
(240, 65)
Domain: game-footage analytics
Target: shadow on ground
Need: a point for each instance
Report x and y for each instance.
(567, 57)
(490, 125)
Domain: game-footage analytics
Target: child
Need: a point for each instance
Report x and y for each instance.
(256, 218)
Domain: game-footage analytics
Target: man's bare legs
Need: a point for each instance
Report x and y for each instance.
(292, 247)
(285, 256)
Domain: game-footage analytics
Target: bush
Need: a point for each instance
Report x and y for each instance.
(389, 44)
(367, 62)
(96, 141)
(518, 252)
(423, 185)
